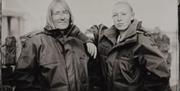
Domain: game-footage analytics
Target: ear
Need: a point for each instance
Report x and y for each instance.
(132, 16)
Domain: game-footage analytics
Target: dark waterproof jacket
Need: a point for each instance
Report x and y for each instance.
(96, 76)
(133, 64)
(53, 61)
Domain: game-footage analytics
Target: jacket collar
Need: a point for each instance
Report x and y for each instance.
(129, 36)
(111, 34)
(59, 32)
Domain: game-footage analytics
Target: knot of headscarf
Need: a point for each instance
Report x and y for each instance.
(58, 32)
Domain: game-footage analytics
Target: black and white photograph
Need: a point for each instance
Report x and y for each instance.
(89, 45)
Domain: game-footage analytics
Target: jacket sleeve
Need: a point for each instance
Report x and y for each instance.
(156, 77)
(81, 36)
(24, 74)
(152, 58)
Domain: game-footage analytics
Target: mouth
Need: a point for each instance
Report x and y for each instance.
(120, 24)
(62, 22)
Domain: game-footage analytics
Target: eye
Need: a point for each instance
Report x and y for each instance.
(123, 14)
(65, 12)
(115, 15)
(61, 12)
(56, 13)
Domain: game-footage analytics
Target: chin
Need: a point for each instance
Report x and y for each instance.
(121, 29)
(62, 27)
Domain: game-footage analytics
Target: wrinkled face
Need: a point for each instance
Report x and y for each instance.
(60, 16)
(122, 16)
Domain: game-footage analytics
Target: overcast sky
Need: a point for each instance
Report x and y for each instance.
(162, 13)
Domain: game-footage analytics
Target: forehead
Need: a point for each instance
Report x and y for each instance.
(121, 7)
(58, 7)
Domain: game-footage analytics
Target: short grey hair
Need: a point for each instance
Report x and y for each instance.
(126, 3)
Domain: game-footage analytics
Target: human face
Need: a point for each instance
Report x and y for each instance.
(122, 16)
(60, 16)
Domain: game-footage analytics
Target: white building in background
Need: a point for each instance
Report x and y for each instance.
(13, 21)
(12, 18)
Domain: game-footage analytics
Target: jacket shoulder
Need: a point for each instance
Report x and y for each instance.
(31, 35)
(103, 35)
(32, 38)
(145, 37)
(74, 30)
(147, 41)
(144, 31)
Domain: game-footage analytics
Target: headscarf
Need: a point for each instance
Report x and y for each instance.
(49, 20)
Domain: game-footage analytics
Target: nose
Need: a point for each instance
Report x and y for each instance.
(119, 18)
(62, 17)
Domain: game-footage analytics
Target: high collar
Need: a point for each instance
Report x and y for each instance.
(130, 33)
(59, 32)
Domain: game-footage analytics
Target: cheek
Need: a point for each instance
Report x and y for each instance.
(128, 20)
(67, 17)
(115, 21)
(55, 18)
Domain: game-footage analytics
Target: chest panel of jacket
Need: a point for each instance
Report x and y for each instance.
(65, 65)
(124, 63)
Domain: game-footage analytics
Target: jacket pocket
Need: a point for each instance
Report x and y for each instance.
(126, 70)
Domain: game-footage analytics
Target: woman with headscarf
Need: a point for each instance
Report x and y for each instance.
(56, 58)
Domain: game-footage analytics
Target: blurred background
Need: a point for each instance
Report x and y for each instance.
(19, 17)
